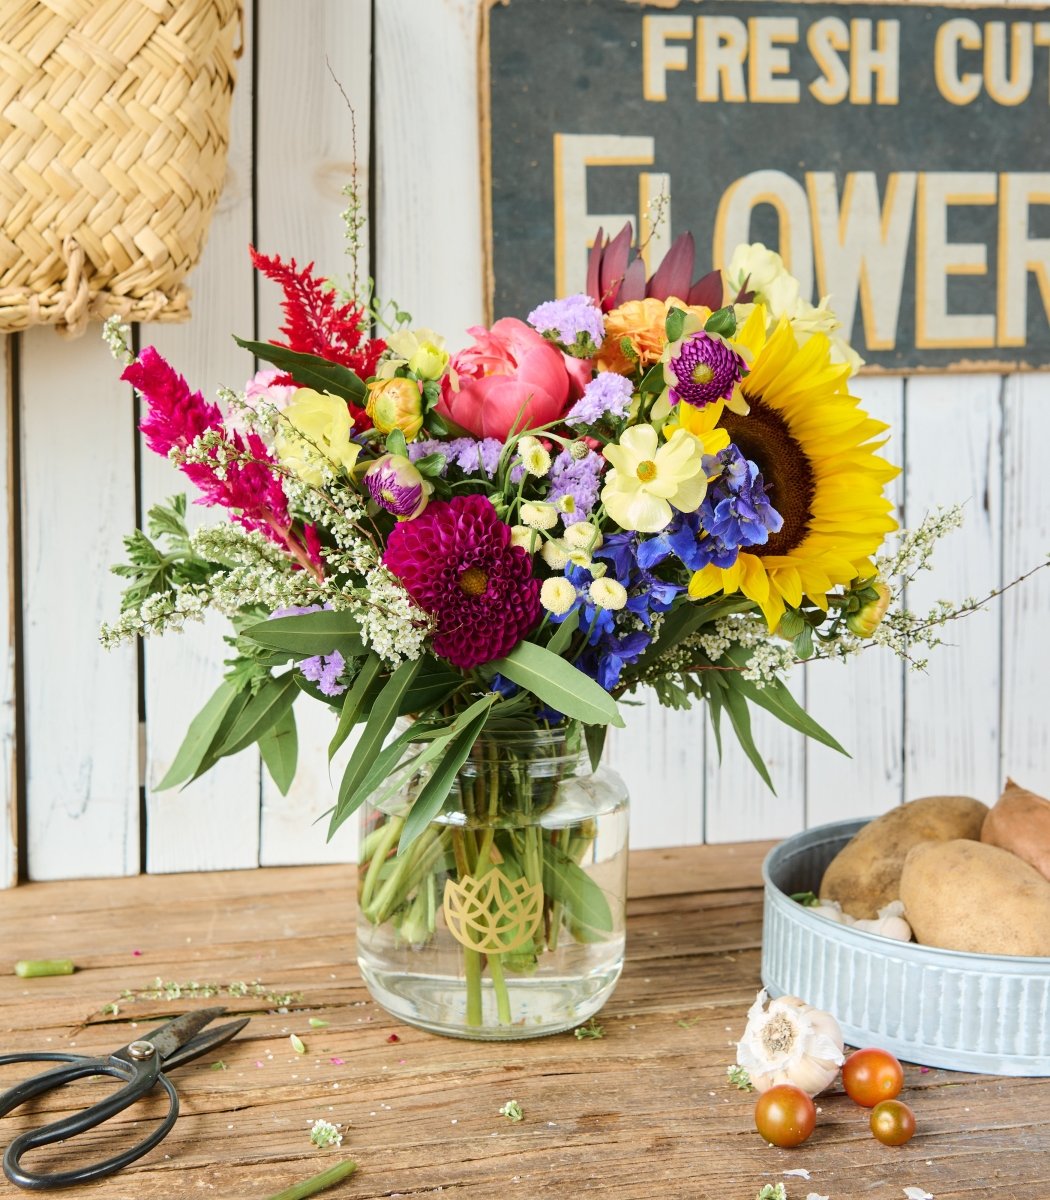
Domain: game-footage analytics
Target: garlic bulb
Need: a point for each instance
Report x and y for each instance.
(790, 1042)
(890, 922)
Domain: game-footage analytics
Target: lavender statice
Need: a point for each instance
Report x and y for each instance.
(607, 395)
(325, 670)
(578, 479)
(470, 455)
(574, 323)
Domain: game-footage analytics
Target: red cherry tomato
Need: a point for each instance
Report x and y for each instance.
(785, 1115)
(892, 1122)
(872, 1075)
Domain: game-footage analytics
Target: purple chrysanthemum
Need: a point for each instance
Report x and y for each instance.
(456, 562)
(705, 369)
(607, 394)
(574, 321)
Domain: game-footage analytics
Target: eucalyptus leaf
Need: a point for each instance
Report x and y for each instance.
(380, 721)
(309, 370)
(261, 713)
(321, 632)
(558, 684)
(230, 718)
(776, 698)
(559, 643)
(353, 703)
(568, 883)
(595, 738)
(740, 716)
(200, 735)
(279, 747)
(429, 801)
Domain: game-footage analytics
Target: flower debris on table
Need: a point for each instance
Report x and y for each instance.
(512, 1111)
(591, 1030)
(324, 1133)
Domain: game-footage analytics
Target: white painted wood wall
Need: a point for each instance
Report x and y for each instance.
(84, 734)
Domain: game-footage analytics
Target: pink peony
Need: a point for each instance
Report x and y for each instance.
(456, 562)
(510, 369)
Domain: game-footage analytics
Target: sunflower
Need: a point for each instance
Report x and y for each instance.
(816, 450)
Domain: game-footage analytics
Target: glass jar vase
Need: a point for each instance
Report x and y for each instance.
(505, 917)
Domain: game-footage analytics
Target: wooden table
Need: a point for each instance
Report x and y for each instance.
(644, 1111)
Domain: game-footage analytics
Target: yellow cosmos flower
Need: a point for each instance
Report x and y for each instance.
(314, 434)
(816, 450)
(647, 478)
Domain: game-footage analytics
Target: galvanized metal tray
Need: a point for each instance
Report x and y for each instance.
(984, 1013)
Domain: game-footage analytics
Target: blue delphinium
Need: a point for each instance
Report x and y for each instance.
(736, 512)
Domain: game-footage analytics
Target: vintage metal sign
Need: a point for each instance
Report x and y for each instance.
(897, 155)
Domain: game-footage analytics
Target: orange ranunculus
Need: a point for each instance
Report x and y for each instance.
(642, 323)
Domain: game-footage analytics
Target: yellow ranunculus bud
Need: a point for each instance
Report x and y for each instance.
(314, 433)
(395, 404)
(429, 361)
(866, 620)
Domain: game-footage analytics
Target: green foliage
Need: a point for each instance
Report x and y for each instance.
(674, 324)
(308, 370)
(722, 322)
(153, 568)
(279, 747)
(309, 634)
(558, 684)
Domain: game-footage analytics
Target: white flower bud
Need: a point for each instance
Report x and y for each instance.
(523, 536)
(554, 554)
(539, 515)
(557, 595)
(608, 593)
(578, 450)
(534, 457)
(566, 503)
(583, 536)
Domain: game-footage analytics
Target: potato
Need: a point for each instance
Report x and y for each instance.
(865, 874)
(965, 895)
(1020, 823)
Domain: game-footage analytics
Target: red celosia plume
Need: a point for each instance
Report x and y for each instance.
(315, 321)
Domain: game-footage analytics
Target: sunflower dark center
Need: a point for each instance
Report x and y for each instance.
(764, 437)
(473, 582)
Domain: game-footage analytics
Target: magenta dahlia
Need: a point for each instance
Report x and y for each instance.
(457, 563)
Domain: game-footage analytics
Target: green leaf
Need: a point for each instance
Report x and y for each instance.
(431, 465)
(313, 633)
(722, 322)
(429, 801)
(380, 721)
(653, 380)
(685, 620)
(309, 370)
(232, 715)
(568, 883)
(396, 444)
(776, 698)
(740, 716)
(558, 684)
(261, 713)
(354, 702)
(279, 747)
(434, 683)
(674, 324)
(435, 423)
(595, 738)
(559, 643)
(199, 737)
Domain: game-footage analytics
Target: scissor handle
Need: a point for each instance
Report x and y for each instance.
(139, 1078)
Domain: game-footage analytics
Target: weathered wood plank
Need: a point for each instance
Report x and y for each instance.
(81, 728)
(213, 822)
(643, 1112)
(954, 457)
(299, 180)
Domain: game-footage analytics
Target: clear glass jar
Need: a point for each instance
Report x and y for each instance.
(505, 917)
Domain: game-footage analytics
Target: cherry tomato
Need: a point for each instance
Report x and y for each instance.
(892, 1122)
(871, 1075)
(785, 1115)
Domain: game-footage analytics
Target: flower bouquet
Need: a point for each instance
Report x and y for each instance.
(470, 558)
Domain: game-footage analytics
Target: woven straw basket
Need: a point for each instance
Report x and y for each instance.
(114, 122)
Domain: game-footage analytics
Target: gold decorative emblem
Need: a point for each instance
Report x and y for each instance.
(493, 914)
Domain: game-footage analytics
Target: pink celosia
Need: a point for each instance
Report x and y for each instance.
(252, 491)
(456, 561)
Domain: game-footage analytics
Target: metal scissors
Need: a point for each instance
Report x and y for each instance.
(141, 1064)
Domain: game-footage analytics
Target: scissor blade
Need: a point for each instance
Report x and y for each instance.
(167, 1038)
(205, 1042)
